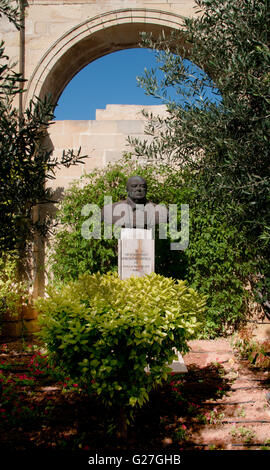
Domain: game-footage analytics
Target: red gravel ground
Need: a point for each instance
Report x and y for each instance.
(244, 406)
(219, 404)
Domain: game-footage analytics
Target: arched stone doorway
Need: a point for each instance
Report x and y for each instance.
(85, 42)
(60, 38)
(69, 52)
(90, 40)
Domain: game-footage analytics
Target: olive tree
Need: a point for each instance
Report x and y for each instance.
(224, 143)
(26, 161)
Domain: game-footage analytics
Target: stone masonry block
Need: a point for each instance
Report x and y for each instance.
(62, 141)
(130, 127)
(102, 141)
(57, 127)
(41, 27)
(76, 126)
(111, 156)
(95, 160)
(103, 127)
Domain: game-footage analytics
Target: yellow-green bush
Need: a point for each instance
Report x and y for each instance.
(217, 262)
(104, 332)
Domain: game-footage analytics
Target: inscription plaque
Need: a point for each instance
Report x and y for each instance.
(135, 253)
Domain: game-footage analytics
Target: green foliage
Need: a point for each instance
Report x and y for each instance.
(257, 353)
(225, 144)
(104, 332)
(217, 261)
(240, 432)
(26, 164)
(71, 254)
(219, 265)
(12, 292)
(10, 11)
(26, 161)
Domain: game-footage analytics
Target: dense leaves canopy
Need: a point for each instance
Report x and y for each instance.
(224, 143)
(26, 162)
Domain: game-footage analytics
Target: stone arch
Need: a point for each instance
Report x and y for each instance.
(93, 38)
(83, 43)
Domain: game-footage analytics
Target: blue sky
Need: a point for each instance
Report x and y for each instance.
(108, 80)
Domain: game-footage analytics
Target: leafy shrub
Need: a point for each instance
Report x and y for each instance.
(216, 263)
(12, 292)
(219, 263)
(256, 352)
(72, 255)
(104, 331)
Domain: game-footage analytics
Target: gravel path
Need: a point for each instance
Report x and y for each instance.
(243, 415)
(236, 417)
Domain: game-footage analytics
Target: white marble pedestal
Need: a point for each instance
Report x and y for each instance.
(136, 253)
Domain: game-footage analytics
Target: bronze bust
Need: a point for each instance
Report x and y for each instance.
(135, 211)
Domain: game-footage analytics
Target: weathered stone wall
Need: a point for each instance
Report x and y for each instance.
(103, 140)
(62, 36)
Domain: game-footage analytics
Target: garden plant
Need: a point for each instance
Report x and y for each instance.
(116, 338)
(217, 262)
(224, 143)
(26, 160)
(26, 163)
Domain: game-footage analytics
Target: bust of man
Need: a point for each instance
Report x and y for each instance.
(136, 190)
(135, 211)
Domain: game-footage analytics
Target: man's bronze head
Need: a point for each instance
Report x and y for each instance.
(136, 189)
